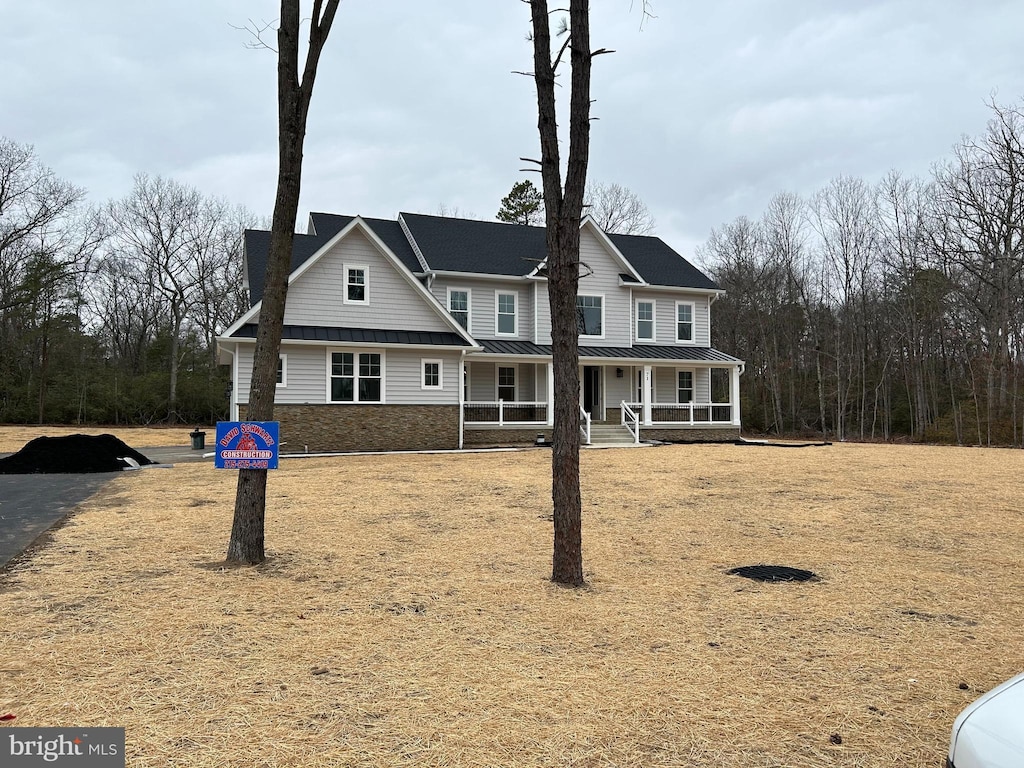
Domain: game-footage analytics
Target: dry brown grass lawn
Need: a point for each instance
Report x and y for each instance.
(13, 438)
(404, 616)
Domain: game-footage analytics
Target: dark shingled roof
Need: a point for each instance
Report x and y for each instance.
(658, 264)
(464, 245)
(640, 352)
(359, 335)
(488, 247)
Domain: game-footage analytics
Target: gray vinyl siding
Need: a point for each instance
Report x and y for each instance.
(307, 375)
(482, 302)
(604, 280)
(403, 377)
(543, 319)
(665, 316)
(616, 389)
(665, 384)
(316, 297)
(304, 374)
(482, 382)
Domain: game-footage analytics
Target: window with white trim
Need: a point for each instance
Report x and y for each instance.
(684, 386)
(507, 383)
(282, 370)
(645, 321)
(458, 306)
(357, 377)
(590, 315)
(430, 374)
(684, 321)
(357, 288)
(505, 322)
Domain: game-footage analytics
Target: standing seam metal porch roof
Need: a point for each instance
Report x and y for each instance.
(641, 352)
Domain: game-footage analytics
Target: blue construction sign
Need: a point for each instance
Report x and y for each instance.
(247, 445)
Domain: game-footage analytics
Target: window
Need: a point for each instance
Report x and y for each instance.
(506, 321)
(645, 321)
(507, 384)
(431, 375)
(590, 315)
(458, 306)
(356, 377)
(282, 370)
(356, 287)
(684, 321)
(684, 389)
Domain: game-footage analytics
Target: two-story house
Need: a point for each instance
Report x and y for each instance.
(430, 333)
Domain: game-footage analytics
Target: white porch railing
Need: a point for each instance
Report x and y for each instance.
(584, 426)
(631, 421)
(667, 414)
(502, 413)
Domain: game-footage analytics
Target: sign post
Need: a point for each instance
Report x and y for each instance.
(247, 445)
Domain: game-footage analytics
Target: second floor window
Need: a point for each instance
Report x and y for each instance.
(356, 285)
(645, 321)
(506, 314)
(684, 321)
(590, 315)
(458, 306)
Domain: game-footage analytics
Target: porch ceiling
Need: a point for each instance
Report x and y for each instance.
(640, 353)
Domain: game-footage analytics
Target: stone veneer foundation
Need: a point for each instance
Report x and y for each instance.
(345, 428)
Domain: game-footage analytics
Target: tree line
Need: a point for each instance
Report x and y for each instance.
(885, 311)
(109, 313)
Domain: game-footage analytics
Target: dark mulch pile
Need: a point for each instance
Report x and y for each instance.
(74, 454)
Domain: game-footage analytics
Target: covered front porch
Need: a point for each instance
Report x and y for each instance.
(514, 393)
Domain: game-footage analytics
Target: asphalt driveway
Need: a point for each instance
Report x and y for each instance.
(32, 504)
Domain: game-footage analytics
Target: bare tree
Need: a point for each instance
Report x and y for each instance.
(618, 210)
(173, 234)
(293, 99)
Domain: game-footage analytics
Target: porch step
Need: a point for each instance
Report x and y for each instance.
(610, 434)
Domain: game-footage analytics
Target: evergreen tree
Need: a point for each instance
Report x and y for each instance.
(523, 205)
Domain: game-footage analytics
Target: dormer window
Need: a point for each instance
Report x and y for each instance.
(357, 289)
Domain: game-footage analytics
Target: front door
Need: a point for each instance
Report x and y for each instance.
(592, 391)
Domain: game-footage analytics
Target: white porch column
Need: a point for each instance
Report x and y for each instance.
(647, 390)
(551, 394)
(734, 395)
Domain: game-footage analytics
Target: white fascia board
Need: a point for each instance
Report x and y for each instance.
(716, 292)
(480, 276)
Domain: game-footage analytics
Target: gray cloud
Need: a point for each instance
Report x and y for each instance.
(706, 112)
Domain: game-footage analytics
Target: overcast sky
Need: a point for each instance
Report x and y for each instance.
(706, 113)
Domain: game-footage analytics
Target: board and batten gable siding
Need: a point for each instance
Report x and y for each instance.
(307, 374)
(316, 297)
(665, 316)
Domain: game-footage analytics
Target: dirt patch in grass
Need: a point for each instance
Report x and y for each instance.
(14, 437)
(405, 617)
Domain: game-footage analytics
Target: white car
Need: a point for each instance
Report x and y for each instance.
(990, 732)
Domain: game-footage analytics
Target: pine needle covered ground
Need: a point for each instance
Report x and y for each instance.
(405, 618)
(13, 438)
